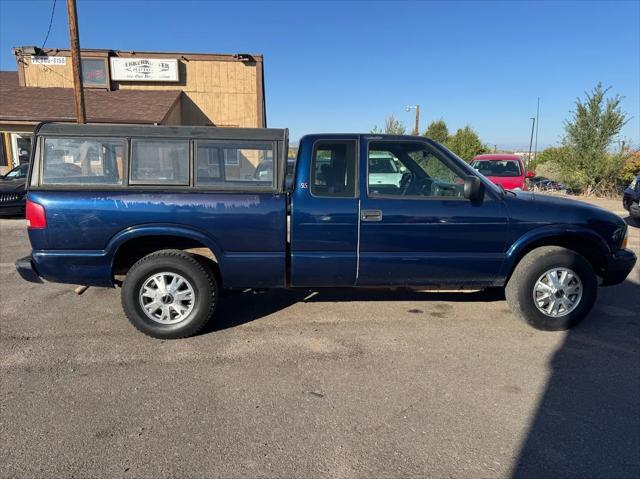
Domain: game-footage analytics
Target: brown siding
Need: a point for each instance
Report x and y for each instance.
(218, 89)
(48, 75)
(221, 93)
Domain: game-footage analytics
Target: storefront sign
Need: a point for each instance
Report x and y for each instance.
(94, 73)
(144, 69)
(48, 60)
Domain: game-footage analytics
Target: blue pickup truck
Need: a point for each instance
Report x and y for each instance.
(174, 215)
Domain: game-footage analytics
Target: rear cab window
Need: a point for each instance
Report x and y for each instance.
(333, 169)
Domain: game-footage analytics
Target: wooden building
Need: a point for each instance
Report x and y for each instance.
(128, 87)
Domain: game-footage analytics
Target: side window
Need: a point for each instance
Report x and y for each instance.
(333, 169)
(83, 161)
(410, 169)
(220, 162)
(159, 162)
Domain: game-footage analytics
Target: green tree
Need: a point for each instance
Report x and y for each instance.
(553, 155)
(437, 131)
(631, 167)
(466, 143)
(589, 133)
(392, 126)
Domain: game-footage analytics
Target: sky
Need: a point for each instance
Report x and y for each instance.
(344, 66)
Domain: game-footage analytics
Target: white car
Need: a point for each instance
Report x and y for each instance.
(384, 170)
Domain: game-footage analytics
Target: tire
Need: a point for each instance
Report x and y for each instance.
(171, 313)
(567, 309)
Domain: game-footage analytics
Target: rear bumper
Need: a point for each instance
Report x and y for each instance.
(12, 210)
(27, 270)
(619, 266)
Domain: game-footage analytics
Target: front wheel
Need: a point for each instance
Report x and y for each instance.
(169, 294)
(552, 288)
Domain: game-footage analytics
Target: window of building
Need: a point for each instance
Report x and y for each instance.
(220, 163)
(20, 148)
(83, 161)
(333, 169)
(410, 169)
(95, 73)
(231, 157)
(159, 162)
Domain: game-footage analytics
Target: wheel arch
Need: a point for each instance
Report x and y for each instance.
(130, 245)
(582, 241)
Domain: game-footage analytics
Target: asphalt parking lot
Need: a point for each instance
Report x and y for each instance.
(315, 384)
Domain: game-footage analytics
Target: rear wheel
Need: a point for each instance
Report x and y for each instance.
(552, 288)
(169, 294)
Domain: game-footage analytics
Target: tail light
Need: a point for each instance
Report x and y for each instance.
(36, 215)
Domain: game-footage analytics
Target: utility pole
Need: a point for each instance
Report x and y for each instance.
(533, 124)
(535, 148)
(74, 37)
(416, 128)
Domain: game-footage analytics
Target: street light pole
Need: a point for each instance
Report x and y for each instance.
(74, 37)
(416, 128)
(535, 148)
(533, 124)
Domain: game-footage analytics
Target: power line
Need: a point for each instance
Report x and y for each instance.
(53, 9)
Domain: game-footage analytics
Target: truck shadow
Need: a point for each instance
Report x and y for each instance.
(240, 307)
(588, 420)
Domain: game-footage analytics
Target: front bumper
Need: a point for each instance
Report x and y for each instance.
(27, 270)
(619, 265)
(634, 210)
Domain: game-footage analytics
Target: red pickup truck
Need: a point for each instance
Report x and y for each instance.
(504, 170)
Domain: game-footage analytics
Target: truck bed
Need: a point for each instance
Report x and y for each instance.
(245, 231)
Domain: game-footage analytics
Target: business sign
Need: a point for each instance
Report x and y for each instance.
(95, 73)
(43, 60)
(144, 69)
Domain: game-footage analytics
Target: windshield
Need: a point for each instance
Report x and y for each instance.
(18, 172)
(488, 183)
(497, 167)
(382, 165)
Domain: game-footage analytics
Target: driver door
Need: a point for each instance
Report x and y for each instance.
(420, 230)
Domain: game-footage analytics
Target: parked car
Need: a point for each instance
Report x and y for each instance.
(178, 244)
(540, 183)
(13, 191)
(631, 198)
(504, 170)
(385, 169)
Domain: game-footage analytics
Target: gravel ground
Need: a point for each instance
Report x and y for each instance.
(336, 383)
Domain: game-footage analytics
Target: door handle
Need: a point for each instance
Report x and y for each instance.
(371, 215)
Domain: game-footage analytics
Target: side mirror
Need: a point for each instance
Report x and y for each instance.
(530, 174)
(473, 188)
